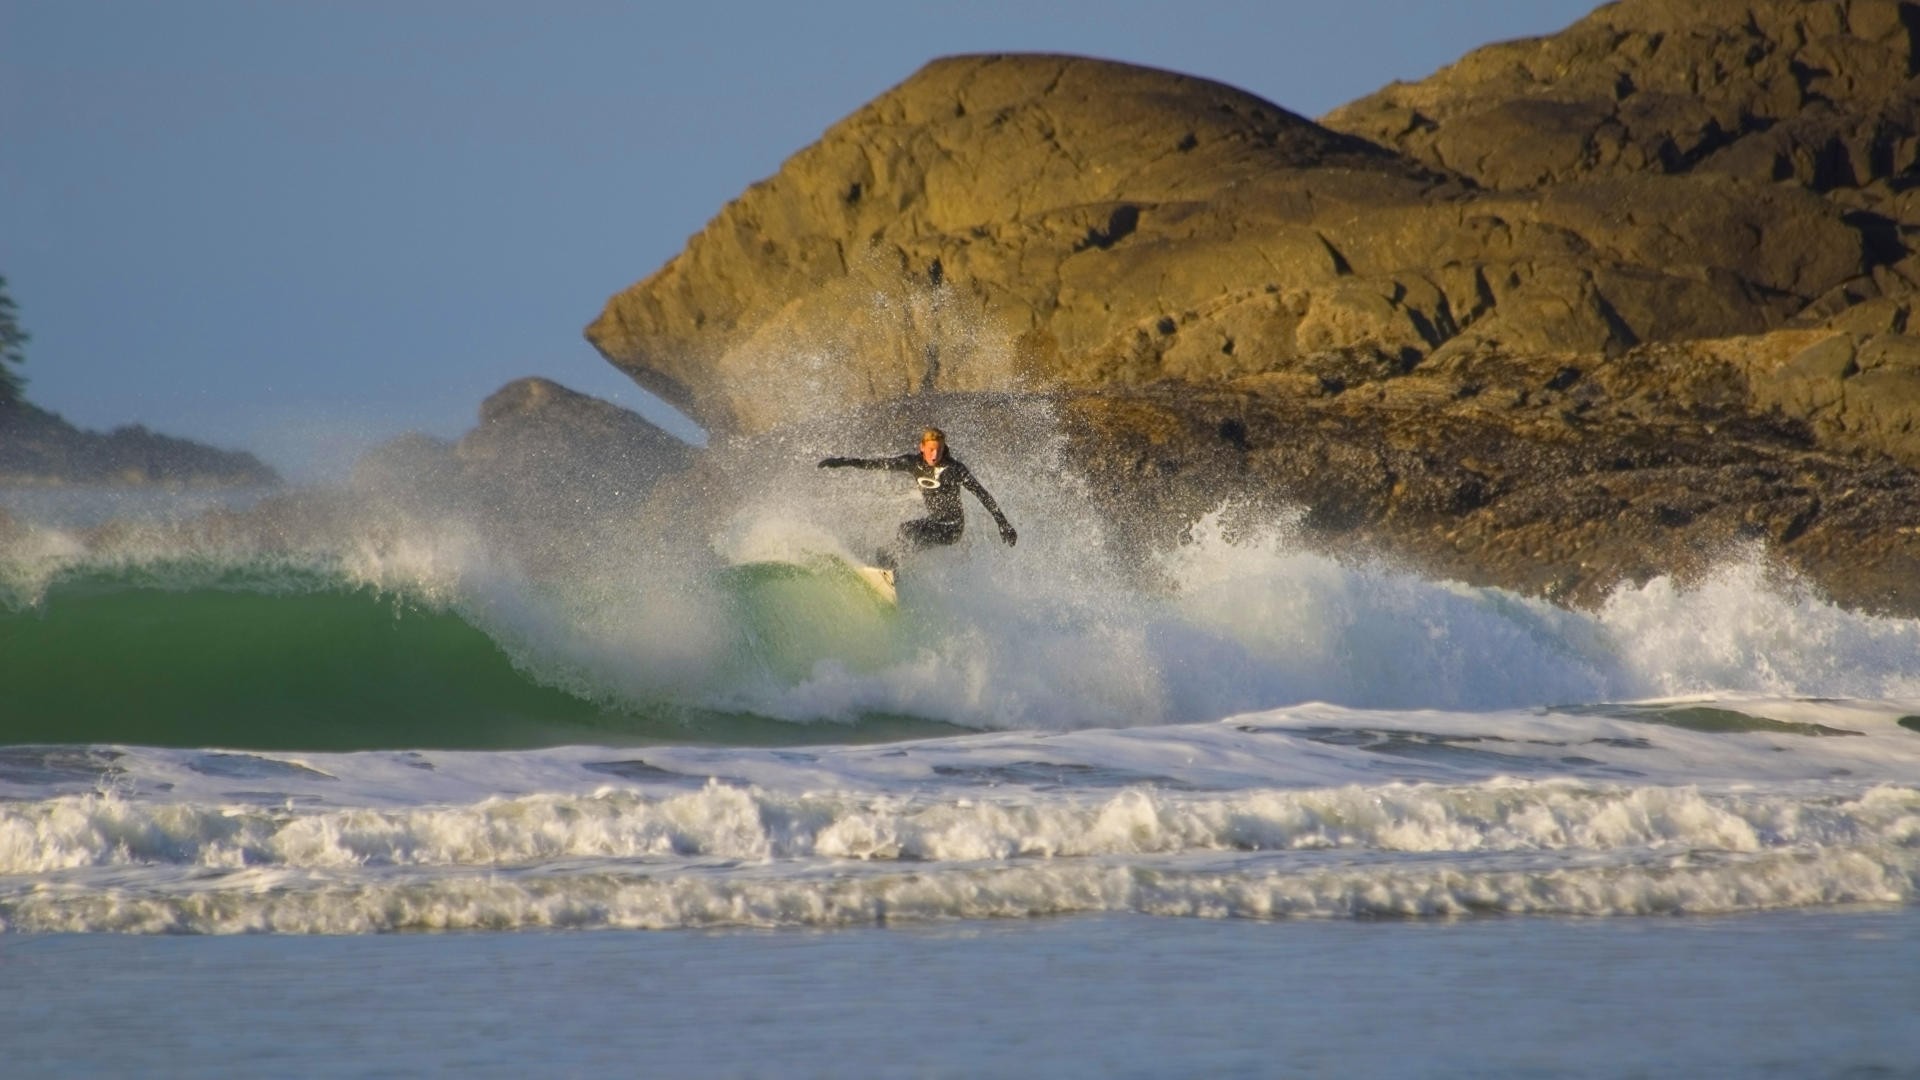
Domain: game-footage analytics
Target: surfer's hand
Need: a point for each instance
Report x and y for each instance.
(1007, 533)
(835, 462)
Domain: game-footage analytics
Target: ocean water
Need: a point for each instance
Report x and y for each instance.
(657, 779)
(1789, 994)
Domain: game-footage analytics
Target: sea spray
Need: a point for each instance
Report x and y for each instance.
(556, 586)
(1698, 806)
(1750, 625)
(1050, 635)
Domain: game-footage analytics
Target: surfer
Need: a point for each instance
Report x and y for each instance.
(940, 476)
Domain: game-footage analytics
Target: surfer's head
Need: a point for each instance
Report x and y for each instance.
(933, 443)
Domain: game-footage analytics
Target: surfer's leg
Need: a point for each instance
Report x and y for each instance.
(918, 534)
(904, 541)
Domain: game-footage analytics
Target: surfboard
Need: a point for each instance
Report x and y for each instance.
(816, 583)
(782, 618)
(880, 581)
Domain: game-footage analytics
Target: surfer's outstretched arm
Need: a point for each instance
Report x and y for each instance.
(968, 481)
(903, 463)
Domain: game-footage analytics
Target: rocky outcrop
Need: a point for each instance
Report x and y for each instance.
(1574, 310)
(1124, 226)
(553, 437)
(540, 452)
(1821, 96)
(1818, 92)
(39, 448)
(1042, 188)
(1561, 475)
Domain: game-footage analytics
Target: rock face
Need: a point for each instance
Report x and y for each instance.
(560, 440)
(1572, 310)
(1127, 225)
(540, 451)
(1080, 202)
(1818, 93)
(1558, 475)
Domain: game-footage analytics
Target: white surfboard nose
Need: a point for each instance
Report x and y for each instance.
(880, 581)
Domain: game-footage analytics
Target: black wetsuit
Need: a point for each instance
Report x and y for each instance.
(940, 485)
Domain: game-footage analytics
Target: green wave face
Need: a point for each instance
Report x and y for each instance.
(111, 658)
(790, 617)
(333, 669)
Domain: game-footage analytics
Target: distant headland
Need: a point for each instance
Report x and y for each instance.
(40, 449)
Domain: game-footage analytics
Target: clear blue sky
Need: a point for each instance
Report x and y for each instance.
(301, 227)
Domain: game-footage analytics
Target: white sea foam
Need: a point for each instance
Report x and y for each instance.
(1317, 811)
(1748, 626)
(266, 902)
(1254, 620)
(1246, 728)
(739, 823)
(1682, 854)
(1727, 740)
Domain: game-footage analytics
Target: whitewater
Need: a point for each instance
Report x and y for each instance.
(1084, 806)
(393, 705)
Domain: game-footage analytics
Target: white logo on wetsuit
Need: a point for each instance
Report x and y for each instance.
(932, 482)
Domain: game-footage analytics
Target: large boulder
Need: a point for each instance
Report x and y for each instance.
(542, 458)
(1853, 391)
(1046, 221)
(1574, 311)
(1819, 94)
(1816, 91)
(553, 443)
